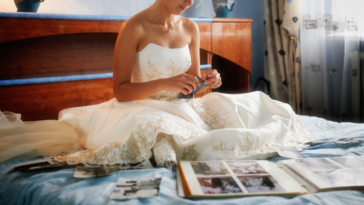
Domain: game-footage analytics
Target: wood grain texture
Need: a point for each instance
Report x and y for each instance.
(44, 101)
(48, 47)
(205, 36)
(12, 29)
(231, 20)
(232, 41)
(57, 55)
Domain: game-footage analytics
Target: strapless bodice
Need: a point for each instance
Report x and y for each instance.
(155, 62)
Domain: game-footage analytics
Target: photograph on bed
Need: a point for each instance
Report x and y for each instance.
(136, 188)
(260, 184)
(209, 168)
(219, 185)
(246, 167)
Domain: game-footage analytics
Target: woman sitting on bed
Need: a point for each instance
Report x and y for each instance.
(156, 58)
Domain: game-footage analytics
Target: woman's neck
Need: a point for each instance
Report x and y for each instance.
(163, 15)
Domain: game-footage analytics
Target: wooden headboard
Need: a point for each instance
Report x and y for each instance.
(51, 62)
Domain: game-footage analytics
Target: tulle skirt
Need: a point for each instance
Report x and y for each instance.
(214, 127)
(38, 138)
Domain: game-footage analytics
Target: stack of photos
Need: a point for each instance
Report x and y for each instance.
(88, 172)
(98, 171)
(136, 188)
(248, 177)
(142, 165)
(42, 165)
(337, 172)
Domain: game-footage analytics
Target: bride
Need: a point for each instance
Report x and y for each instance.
(157, 57)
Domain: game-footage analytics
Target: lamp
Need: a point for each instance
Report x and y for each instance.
(223, 8)
(27, 5)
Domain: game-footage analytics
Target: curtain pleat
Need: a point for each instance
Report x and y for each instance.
(282, 63)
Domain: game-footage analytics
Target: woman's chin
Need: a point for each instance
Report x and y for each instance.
(178, 12)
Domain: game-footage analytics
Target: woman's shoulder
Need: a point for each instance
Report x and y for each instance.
(189, 24)
(137, 21)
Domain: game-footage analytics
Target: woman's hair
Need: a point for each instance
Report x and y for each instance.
(199, 3)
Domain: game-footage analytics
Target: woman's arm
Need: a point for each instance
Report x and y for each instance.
(193, 31)
(124, 62)
(212, 78)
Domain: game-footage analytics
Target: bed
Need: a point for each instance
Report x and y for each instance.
(55, 81)
(58, 186)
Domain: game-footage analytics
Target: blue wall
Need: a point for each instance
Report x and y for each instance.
(251, 9)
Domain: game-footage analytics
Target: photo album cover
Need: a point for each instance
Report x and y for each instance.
(260, 177)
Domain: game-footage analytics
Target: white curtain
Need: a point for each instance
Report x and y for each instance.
(332, 75)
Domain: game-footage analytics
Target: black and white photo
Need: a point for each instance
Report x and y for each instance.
(142, 165)
(219, 185)
(260, 183)
(88, 172)
(136, 188)
(246, 167)
(209, 168)
(48, 164)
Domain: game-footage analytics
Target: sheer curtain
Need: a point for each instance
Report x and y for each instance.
(332, 74)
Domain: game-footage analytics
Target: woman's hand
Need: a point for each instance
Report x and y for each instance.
(184, 83)
(212, 78)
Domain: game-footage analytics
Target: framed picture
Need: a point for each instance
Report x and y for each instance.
(331, 25)
(353, 26)
(305, 18)
(311, 24)
(319, 18)
(327, 18)
(348, 19)
(341, 24)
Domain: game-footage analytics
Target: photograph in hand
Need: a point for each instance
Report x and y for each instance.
(189, 96)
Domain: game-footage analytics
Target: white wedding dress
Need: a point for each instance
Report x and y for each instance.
(215, 127)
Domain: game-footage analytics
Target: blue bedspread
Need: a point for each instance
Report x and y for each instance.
(58, 186)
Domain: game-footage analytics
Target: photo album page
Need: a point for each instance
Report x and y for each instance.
(323, 174)
(235, 178)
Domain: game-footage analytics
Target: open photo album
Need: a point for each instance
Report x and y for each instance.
(260, 177)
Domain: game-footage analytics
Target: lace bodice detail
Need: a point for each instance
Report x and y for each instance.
(155, 62)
